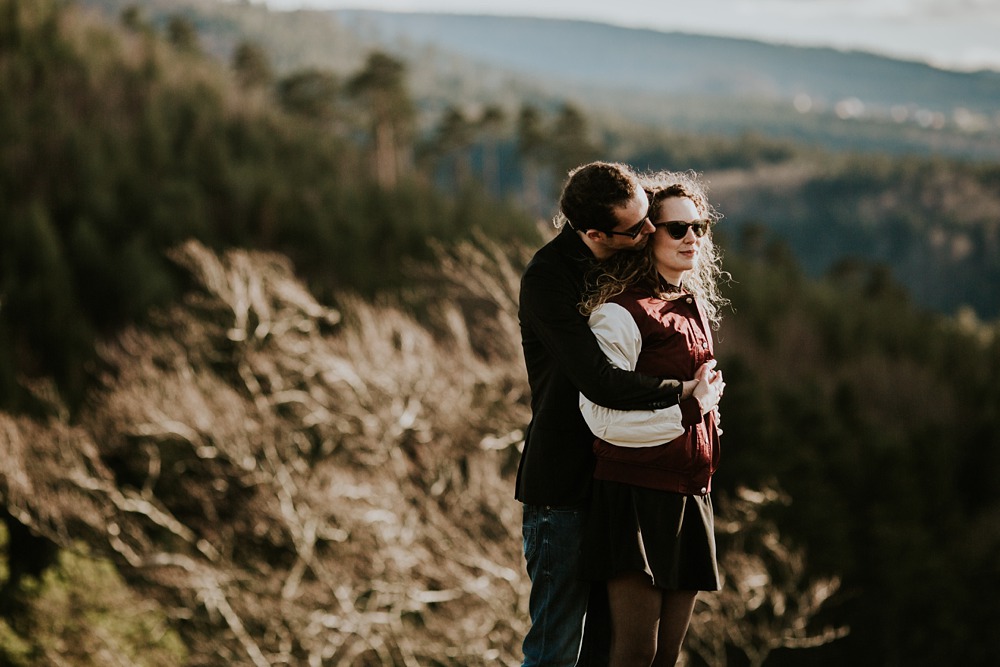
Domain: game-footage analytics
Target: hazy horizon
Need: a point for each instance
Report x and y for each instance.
(953, 34)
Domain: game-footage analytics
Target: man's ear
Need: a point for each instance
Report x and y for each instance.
(594, 235)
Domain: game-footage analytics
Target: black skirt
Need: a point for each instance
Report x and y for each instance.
(668, 536)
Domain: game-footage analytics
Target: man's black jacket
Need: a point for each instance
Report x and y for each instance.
(563, 359)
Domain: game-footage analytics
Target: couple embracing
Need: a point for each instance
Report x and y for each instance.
(616, 316)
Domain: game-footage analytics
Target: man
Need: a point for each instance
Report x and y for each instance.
(604, 211)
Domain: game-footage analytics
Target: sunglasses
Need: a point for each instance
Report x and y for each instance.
(678, 229)
(632, 231)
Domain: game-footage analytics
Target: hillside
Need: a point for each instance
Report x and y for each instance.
(931, 221)
(673, 63)
(933, 225)
(822, 97)
(711, 84)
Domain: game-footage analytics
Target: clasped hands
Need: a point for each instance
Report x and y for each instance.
(707, 387)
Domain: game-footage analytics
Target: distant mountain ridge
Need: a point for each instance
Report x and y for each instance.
(625, 78)
(601, 55)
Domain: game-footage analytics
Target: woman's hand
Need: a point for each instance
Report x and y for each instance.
(710, 386)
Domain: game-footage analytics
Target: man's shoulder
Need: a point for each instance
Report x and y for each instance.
(555, 248)
(561, 253)
(554, 278)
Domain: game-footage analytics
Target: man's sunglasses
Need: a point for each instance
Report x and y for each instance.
(678, 229)
(632, 231)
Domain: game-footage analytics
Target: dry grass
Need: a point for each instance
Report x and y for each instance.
(294, 485)
(313, 491)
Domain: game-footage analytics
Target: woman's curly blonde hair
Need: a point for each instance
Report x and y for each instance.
(625, 269)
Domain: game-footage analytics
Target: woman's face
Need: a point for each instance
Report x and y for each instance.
(674, 257)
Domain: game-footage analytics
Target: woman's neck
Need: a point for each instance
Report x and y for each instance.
(672, 278)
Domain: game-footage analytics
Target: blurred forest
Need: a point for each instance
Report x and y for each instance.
(261, 392)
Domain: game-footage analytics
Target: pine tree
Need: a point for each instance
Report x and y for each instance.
(252, 66)
(310, 93)
(491, 124)
(182, 34)
(381, 86)
(531, 147)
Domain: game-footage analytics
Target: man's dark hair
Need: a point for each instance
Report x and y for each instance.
(593, 191)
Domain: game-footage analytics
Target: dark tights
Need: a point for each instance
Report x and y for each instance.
(648, 624)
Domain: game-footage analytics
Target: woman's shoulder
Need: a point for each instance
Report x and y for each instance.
(639, 302)
(638, 297)
(643, 303)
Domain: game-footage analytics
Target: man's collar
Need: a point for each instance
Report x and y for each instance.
(571, 243)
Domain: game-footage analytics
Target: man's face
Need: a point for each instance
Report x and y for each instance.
(632, 219)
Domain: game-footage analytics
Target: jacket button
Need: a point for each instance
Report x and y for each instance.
(688, 299)
(704, 346)
(704, 490)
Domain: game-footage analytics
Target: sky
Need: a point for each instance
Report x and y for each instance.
(955, 34)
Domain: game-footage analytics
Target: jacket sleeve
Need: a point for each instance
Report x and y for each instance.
(548, 305)
(619, 339)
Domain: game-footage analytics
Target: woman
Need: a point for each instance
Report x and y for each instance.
(651, 529)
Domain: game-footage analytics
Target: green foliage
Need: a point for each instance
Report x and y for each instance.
(875, 417)
(131, 18)
(649, 149)
(252, 65)
(310, 93)
(381, 86)
(182, 34)
(81, 612)
(932, 223)
(569, 142)
(126, 147)
(530, 134)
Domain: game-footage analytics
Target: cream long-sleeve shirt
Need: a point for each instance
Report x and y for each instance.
(621, 342)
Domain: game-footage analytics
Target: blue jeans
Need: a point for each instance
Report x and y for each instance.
(558, 600)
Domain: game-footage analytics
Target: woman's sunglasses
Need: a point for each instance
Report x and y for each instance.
(679, 229)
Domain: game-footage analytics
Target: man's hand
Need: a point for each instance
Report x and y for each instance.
(710, 386)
